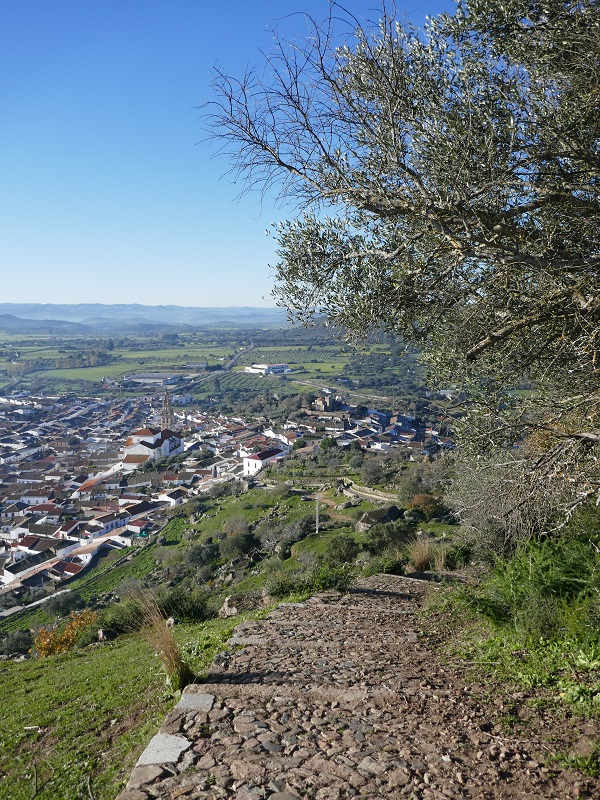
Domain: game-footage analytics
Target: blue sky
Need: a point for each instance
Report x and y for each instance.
(107, 192)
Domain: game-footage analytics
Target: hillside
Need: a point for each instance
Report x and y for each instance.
(97, 315)
(310, 703)
(482, 712)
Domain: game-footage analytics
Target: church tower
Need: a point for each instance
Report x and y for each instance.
(166, 415)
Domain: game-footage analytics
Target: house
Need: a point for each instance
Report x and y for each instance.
(174, 498)
(287, 438)
(139, 526)
(254, 463)
(153, 444)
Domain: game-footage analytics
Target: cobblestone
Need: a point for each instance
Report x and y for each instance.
(341, 697)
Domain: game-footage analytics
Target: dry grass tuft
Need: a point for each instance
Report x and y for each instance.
(149, 619)
(425, 554)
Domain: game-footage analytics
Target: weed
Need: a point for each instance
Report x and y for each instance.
(589, 765)
(579, 693)
(151, 622)
(422, 553)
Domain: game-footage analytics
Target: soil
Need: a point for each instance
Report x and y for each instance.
(354, 696)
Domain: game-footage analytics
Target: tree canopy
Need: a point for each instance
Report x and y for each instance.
(447, 182)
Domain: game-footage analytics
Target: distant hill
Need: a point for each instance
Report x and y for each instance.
(96, 317)
(12, 324)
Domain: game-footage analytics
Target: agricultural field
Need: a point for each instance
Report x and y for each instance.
(243, 382)
(294, 355)
(79, 364)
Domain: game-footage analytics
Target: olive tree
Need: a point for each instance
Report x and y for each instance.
(447, 189)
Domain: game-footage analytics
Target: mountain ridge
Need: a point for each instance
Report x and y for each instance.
(95, 316)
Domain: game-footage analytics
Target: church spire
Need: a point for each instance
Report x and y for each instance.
(166, 414)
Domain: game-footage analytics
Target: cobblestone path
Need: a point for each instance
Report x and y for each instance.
(343, 696)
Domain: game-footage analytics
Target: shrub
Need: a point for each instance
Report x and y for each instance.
(191, 606)
(309, 579)
(389, 562)
(238, 545)
(457, 555)
(326, 577)
(389, 535)
(427, 505)
(200, 555)
(341, 549)
(119, 617)
(61, 640)
(63, 603)
(548, 587)
(19, 642)
(235, 526)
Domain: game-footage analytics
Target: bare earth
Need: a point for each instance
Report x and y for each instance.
(350, 696)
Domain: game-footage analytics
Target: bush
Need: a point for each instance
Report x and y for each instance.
(119, 617)
(238, 545)
(389, 535)
(201, 555)
(389, 562)
(427, 505)
(235, 526)
(19, 642)
(341, 549)
(63, 604)
(191, 606)
(457, 555)
(61, 640)
(310, 579)
(546, 588)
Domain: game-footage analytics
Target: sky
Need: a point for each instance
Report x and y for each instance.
(108, 191)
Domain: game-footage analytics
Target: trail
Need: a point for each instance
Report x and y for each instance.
(348, 696)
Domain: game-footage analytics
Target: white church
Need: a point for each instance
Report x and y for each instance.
(151, 444)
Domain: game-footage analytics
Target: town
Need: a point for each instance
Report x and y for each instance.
(83, 475)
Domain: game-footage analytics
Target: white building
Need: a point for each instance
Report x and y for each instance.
(150, 444)
(254, 463)
(268, 369)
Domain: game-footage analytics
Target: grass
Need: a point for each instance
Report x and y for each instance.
(538, 622)
(92, 712)
(421, 554)
(317, 545)
(151, 622)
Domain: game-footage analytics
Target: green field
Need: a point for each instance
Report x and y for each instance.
(90, 713)
(67, 364)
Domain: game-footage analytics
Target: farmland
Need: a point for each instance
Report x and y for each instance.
(96, 365)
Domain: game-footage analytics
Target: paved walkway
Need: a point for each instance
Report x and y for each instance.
(343, 696)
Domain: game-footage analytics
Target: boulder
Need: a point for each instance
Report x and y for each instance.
(378, 516)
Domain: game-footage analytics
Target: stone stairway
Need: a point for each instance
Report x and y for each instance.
(343, 696)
